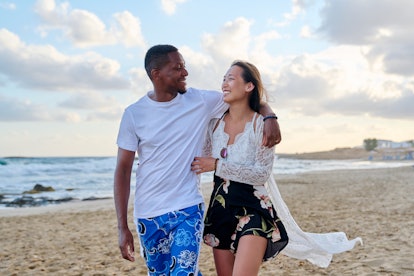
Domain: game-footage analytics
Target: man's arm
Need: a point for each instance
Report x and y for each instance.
(271, 130)
(122, 185)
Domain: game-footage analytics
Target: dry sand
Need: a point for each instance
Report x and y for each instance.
(376, 205)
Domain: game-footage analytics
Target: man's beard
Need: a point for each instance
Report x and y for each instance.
(182, 91)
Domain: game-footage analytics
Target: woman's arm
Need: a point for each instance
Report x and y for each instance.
(256, 174)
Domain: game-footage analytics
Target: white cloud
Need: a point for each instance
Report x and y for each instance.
(337, 80)
(51, 13)
(13, 109)
(170, 6)
(392, 108)
(85, 29)
(297, 8)
(306, 32)
(113, 114)
(88, 100)
(127, 29)
(44, 67)
(90, 107)
(385, 26)
(261, 40)
(140, 83)
(302, 85)
(96, 106)
(207, 68)
(223, 45)
(340, 81)
(204, 71)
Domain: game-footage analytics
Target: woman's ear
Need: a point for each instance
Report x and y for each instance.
(249, 87)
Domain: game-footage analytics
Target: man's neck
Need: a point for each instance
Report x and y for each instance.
(162, 96)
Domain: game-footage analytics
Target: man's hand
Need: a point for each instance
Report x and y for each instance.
(271, 133)
(126, 244)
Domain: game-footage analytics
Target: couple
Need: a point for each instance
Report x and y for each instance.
(168, 128)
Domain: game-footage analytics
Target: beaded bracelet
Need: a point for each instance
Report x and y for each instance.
(269, 117)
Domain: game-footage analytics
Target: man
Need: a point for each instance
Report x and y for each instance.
(167, 128)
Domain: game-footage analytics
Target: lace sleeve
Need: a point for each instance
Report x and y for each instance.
(253, 174)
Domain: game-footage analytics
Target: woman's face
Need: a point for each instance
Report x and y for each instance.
(234, 87)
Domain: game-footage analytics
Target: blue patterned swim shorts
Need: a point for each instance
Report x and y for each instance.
(171, 242)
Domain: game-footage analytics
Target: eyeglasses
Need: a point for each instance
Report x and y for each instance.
(223, 152)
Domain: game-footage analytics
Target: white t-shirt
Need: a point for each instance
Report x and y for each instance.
(167, 137)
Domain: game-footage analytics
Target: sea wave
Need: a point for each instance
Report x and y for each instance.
(92, 177)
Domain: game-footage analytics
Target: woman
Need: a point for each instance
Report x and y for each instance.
(241, 224)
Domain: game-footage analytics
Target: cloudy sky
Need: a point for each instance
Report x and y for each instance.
(336, 72)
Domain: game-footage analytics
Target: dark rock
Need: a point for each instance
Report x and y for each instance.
(94, 198)
(27, 201)
(38, 188)
(65, 199)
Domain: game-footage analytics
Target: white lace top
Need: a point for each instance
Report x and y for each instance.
(247, 160)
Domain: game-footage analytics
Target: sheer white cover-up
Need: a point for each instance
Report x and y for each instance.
(317, 248)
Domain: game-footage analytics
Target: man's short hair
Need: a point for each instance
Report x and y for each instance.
(157, 56)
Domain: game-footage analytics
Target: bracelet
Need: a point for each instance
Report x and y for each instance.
(269, 117)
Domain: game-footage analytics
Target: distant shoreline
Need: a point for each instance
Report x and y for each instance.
(352, 153)
(337, 153)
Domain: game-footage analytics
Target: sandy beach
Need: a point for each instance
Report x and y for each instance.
(80, 238)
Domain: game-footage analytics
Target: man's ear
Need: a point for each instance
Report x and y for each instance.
(154, 74)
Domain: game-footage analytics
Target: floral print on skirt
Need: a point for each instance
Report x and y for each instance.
(238, 209)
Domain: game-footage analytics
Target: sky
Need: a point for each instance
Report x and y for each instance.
(336, 72)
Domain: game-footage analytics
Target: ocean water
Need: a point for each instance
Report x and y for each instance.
(92, 177)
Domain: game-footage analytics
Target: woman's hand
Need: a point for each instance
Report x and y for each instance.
(203, 164)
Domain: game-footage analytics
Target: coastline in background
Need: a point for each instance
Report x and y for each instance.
(91, 178)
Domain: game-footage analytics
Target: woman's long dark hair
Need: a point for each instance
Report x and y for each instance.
(252, 74)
